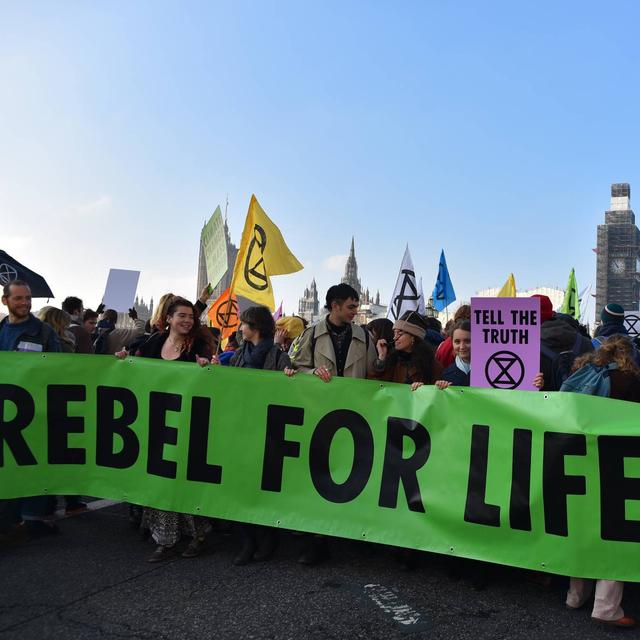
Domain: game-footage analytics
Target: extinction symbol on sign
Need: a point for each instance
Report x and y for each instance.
(631, 321)
(504, 370)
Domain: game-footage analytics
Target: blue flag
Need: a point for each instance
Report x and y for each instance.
(443, 293)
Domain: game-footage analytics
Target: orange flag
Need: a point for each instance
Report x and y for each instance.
(224, 315)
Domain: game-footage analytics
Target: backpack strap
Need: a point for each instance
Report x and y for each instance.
(313, 346)
(576, 344)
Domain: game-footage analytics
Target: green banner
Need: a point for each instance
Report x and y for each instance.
(543, 481)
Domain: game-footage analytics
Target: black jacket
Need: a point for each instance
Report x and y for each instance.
(559, 336)
(276, 360)
(152, 348)
(457, 377)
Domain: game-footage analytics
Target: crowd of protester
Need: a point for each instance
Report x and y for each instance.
(415, 350)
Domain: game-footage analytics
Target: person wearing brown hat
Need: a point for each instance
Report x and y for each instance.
(560, 343)
(412, 361)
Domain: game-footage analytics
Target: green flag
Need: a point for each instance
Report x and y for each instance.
(571, 303)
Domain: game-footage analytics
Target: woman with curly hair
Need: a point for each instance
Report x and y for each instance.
(180, 339)
(617, 354)
(412, 361)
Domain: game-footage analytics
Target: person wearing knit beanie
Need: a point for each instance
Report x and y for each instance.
(411, 323)
(612, 314)
(612, 317)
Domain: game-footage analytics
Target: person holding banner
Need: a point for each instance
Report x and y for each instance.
(624, 381)
(412, 361)
(22, 331)
(334, 346)
(459, 371)
(258, 351)
(180, 340)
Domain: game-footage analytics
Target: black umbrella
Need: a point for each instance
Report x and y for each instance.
(11, 269)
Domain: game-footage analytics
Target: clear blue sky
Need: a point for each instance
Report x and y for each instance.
(490, 129)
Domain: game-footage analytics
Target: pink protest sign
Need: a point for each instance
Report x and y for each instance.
(505, 342)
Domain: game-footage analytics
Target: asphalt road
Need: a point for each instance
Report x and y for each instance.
(92, 581)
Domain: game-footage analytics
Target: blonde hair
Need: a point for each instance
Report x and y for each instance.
(616, 349)
(58, 320)
(159, 317)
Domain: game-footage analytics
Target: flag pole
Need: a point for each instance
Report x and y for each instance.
(228, 314)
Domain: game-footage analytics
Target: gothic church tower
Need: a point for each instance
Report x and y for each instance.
(350, 276)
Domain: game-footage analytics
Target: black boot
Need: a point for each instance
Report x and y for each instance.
(135, 516)
(248, 546)
(316, 550)
(267, 544)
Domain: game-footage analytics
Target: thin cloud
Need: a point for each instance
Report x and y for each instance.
(94, 206)
(335, 263)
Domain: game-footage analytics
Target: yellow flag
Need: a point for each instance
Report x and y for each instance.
(263, 253)
(508, 288)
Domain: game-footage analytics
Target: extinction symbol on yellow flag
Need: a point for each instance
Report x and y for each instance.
(263, 253)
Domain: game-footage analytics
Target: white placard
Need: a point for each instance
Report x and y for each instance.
(120, 292)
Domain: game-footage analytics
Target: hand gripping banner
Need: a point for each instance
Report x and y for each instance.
(543, 481)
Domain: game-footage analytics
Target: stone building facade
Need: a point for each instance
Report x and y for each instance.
(618, 252)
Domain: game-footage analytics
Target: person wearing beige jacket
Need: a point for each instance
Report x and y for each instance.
(334, 346)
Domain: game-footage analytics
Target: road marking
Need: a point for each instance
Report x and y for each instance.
(390, 603)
